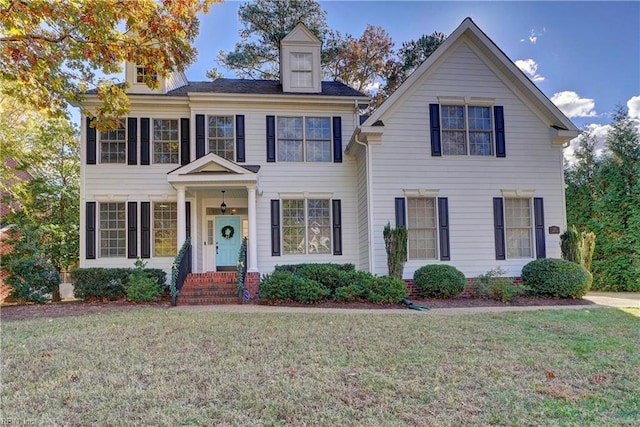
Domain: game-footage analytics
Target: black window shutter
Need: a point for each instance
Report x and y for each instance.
(240, 149)
(434, 121)
(337, 226)
(132, 141)
(200, 136)
(145, 232)
(498, 116)
(91, 142)
(538, 219)
(144, 140)
(443, 224)
(132, 229)
(90, 230)
(185, 155)
(337, 139)
(275, 227)
(271, 139)
(187, 212)
(498, 223)
(401, 217)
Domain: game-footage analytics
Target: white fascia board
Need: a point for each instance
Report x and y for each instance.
(208, 98)
(562, 136)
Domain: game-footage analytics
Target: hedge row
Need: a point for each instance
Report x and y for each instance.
(108, 283)
(310, 283)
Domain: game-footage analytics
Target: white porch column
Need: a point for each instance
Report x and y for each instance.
(253, 239)
(182, 217)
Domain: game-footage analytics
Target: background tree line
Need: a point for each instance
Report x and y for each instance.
(603, 196)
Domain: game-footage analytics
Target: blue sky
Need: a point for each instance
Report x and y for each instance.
(585, 56)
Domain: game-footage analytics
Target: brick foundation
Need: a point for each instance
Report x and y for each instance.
(251, 284)
(469, 291)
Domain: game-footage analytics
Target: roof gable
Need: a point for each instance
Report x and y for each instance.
(211, 164)
(301, 34)
(510, 72)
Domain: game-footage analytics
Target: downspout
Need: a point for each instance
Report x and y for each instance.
(367, 151)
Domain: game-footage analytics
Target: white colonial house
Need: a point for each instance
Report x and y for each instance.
(467, 154)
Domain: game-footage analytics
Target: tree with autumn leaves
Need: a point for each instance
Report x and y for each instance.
(52, 52)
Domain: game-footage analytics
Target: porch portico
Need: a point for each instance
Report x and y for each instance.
(203, 185)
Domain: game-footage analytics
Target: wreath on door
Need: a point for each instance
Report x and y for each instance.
(227, 231)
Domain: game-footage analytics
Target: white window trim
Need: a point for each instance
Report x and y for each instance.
(437, 224)
(100, 229)
(233, 127)
(152, 147)
(466, 102)
(126, 139)
(153, 228)
(525, 195)
(295, 70)
(304, 137)
(306, 226)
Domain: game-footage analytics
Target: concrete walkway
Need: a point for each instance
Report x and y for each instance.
(599, 299)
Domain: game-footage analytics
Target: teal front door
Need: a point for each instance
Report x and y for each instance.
(228, 238)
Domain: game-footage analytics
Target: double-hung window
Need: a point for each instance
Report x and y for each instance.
(518, 227)
(112, 230)
(301, 70)
(304, 139)
(113, 144)
(166, 141)
(306, 226)
(221, 138)
(422, 228)
(165, 228)
(466, 130)
(143, 73)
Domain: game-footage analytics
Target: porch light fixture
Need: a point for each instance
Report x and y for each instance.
(223, 206)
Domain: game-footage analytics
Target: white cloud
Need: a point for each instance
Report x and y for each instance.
(534, 34)
(530, 67)
(572, 105)
(633, 105)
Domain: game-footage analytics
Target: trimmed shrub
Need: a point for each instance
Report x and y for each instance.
(492, 285)
(32, 279)
(329, 275)
(108, 283)
(308, 290)
(141, 286)
(277, 286)
(354, 286)
(550, 277)
(387, 289)
(439, 281)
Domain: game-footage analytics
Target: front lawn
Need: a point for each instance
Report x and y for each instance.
(170, 367)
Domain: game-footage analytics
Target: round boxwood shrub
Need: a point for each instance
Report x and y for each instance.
(439, 281)
(550, 277)
(387, 290)
(308, 290)
(277, 286)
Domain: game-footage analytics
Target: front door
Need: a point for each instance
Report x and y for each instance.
(228, 236)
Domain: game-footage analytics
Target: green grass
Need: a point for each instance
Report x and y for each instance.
(170, 367)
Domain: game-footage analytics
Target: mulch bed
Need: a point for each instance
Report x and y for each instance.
(76, 308)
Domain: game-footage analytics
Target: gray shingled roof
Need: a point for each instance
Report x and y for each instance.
(259, 87)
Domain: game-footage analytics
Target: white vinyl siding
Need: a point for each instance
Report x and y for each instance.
(112, 225)
(113, 144)
(165, 229)
(221, 136)
(518, 224)
(466, 129)
(166, 143)
(422, 228)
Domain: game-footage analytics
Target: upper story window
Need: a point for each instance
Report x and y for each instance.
(422, 228)
(221, 138)
(518, 227)
(304, 139)
(301, 70)
(165, 141)
(113, 145)
(143, 73)
(466, 130)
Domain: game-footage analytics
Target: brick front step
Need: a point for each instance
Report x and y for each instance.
(198, 293)
(210, 287)
(182, 301)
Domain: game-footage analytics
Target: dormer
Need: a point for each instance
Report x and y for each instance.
(300, 61)
(135, 77)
